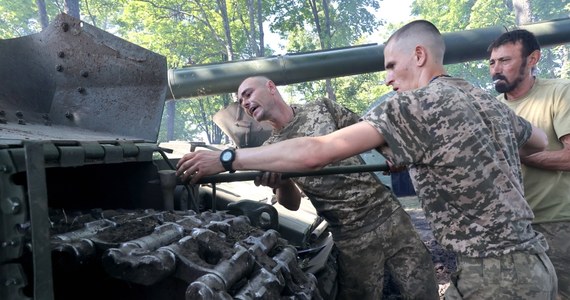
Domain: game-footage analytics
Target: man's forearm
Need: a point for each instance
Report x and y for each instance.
(310, 153)
(558, 160)
(299, 154)
(549, 160)
(536, 143)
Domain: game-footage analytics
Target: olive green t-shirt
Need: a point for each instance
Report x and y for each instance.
(547, 106)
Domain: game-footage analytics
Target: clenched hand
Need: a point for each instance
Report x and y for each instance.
(195, 165)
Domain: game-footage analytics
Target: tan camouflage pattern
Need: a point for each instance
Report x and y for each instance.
(557, 235)
(392, 247)
(518, 275)
(462, 148)
(351, 203)
(369, 226)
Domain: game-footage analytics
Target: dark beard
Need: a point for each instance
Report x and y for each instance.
(505, 86)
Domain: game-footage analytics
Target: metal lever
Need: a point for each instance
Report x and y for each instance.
(250, 175)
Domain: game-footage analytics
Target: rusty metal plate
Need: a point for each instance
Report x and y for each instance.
(73, 81)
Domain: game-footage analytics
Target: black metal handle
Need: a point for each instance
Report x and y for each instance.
(250, 175)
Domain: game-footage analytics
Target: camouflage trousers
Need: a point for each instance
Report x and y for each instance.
(396, 246)
(518, 275)
(557, 235)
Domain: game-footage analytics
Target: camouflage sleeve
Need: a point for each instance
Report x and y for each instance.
(522, 127)
(399, 120)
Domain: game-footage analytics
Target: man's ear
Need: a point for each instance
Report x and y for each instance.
(421, 55)
(533, 58)
(271, 86)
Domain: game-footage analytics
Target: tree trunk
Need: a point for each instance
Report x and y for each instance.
(317, 21)
(523, 11)
(327, 34)
(252, 31)
(44, 20)
(260, 26)
(205, 121)
(72, 8)
(328, 38)
(324, 37)
(226, 22)
(170, 117)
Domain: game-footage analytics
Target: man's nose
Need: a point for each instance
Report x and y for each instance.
(389, 79)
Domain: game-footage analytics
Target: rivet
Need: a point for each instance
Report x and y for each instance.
(23, 227)
(69, 115)
(11, 206)
(60, 54)
(64, 27)
(84, 74)
(10, 281)
(81, 90)
(59, 68)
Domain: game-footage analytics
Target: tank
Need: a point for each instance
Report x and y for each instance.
(89, 203)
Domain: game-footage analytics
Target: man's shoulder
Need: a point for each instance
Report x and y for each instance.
(553, 82)
(320, 102)
(559, 88)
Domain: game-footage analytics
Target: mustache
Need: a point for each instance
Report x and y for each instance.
(498, 77)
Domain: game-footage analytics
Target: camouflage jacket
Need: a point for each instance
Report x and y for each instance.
(351, 203)
(462, 148)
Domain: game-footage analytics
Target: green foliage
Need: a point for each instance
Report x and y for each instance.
(346, 24)
(355, 92)
(193, 120)
(18, 18)
(101, 13)
(485, 13)
(188, 33)
(171, 29)
(360, 91)
(446, 14)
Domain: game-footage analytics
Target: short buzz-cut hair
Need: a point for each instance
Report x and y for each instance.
(526, 38)
(423, 32)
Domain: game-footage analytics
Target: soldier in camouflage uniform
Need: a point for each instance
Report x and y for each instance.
(370, 228)
(462, 147)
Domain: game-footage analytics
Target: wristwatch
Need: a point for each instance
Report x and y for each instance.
(227, 158)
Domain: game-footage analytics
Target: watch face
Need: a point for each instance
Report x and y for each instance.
(226, 156)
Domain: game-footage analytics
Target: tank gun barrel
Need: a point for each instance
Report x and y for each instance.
(461, 46)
